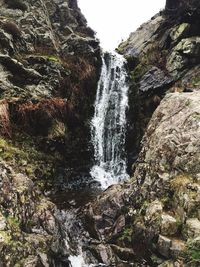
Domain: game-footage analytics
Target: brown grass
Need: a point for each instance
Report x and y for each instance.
(5, 125)
(79, 67)
(54, 108)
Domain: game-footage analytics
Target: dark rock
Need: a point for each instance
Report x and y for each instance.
(154, 80)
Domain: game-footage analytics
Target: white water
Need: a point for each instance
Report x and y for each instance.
(108, 125)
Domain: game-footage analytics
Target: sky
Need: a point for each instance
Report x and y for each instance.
(114, 20)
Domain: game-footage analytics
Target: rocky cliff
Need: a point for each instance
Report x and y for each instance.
(163, 56)
(49, 67)
(153, 220)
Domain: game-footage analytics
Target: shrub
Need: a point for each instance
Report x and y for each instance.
(39, 117)
(192, 254)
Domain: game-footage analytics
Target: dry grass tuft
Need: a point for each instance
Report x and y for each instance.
(5, 125)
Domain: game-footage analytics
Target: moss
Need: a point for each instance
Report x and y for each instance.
(192, 254)
(14, 223)
(138, 72)
(180, 182)
(196, 81)
(123, 45)
(5, 236)
(126, 234)
(53, 58)
(24, 156)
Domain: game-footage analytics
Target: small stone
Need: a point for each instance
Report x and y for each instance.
(2, 223)
(4, 239)
(168, 225)
(192, 228)
(166, 264)
(154, 209)
(178, 247)
(164, 244)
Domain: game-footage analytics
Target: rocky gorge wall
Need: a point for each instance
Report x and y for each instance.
(163, 56)
(49, 68)
(153, 220)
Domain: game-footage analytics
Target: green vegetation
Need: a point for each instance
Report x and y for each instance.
(192, 254)
(24, 156)
(126, 234)
(196, 81)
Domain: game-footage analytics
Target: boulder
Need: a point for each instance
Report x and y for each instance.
(169, 225)
(139, 40)
(163, 245)
(155, 79)
(103, 216)
(177, 248)
(192, 228)
(184, 54)
(154, 210)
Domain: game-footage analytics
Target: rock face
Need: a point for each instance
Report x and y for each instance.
(49, 67)
(163, 55)
(157, 216)
(159, 208)
(48, 57)
(27, 223)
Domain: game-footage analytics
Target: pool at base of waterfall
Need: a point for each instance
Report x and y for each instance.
(110, 177)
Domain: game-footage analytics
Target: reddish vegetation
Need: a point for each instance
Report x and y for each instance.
(5, 125)
(54, 107)
(80, 67)
(38, 117)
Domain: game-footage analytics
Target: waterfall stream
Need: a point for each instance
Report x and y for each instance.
(108, 126)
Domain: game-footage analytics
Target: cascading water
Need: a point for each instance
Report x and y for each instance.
(108, 125)
(108, 128)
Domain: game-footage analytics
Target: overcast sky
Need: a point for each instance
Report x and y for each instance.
(114, 20)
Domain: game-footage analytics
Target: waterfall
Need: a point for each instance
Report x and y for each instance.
(108, 126)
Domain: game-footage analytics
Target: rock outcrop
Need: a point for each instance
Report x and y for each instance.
(158, 210)
(163, 55)
(155, 216)
(49, 68)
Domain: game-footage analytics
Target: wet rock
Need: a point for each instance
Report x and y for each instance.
(103, 253)
(164, 244)
(103, 215)
(119, 225)
(153, 80)
(16, 67)
(126, 254)
(169, 225)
